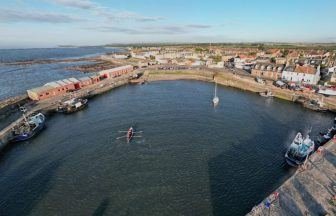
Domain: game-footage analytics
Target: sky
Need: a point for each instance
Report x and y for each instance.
(49, 23)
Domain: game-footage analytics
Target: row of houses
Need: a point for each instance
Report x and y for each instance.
(294, 73)
(61, 87)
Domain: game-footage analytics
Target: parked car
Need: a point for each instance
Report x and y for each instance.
(280, 84)
(260, 81)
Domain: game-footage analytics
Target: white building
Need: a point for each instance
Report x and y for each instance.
(120, 55)
(239, 63)
(332, 69)
(302, 74)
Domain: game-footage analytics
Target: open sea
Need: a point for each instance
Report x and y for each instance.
(191, 159)
(16, 79)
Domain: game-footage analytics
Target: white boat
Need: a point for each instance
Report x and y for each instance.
(299, 150)
(328, 91)
(215, 100)
(267, 93)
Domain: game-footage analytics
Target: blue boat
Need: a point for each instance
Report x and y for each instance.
(299, 150)
(29, 128)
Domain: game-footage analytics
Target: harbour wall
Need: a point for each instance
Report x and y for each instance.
(246, 83)
(49, 106)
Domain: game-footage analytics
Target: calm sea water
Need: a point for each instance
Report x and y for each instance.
(192, 159)
(14, 55)
(16, 79)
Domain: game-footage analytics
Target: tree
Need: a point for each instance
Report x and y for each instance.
(261, 47)
(285, 52)
(217, 58)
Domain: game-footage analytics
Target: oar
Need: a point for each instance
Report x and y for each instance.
(121, 137)
(136, 136)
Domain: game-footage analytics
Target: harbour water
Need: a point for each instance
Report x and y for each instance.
(192, 159)
(16, 79)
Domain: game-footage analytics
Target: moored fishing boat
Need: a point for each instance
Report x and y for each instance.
(299, 150)
(29, 128)
(73, 105)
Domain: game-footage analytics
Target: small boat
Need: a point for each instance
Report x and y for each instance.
(130, 134)
(325, 137)
(315, 105)
(267, 94)
(72, 105)
(299, 150)
(29, 128)
(215, 100)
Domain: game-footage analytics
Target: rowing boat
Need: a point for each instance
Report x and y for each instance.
(130, 134)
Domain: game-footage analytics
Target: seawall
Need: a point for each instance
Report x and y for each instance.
(229, 79)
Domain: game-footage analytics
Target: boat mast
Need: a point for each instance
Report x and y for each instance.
(215, 90)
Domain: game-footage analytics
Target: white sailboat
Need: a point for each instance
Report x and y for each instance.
(215, 100)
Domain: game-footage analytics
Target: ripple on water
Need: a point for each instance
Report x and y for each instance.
(190, 160)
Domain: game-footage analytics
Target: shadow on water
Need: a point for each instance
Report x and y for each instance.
(243, 176)
(101, 209)
(26, 187)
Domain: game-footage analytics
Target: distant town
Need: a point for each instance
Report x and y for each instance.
(296, 67)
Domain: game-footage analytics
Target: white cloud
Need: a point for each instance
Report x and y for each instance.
(81, 4)
(143, 30)
(13, 15)
(112, 15)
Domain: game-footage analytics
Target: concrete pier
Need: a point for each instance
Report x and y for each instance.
(310, 191)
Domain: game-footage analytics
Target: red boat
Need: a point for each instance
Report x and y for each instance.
(130, 134)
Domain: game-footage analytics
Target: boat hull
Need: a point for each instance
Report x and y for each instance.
(27, 136)
(69, 110)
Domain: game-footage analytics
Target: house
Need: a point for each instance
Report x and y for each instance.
(280, 60)
(332, 69)
(121, 55)
(333, 77)
(268, 71)
(302, 74)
